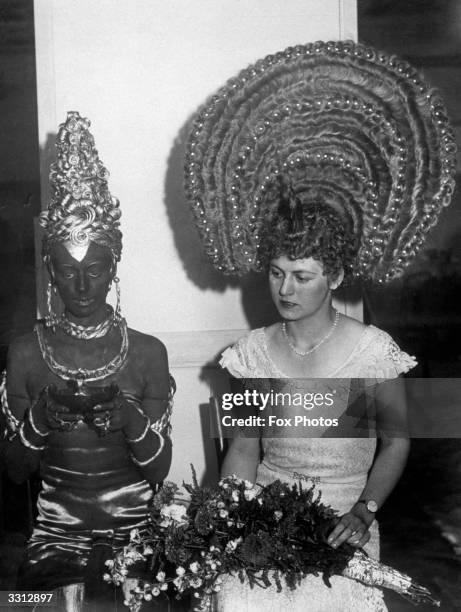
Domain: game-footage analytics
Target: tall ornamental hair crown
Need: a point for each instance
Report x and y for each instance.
(81, 208)
(346, 127)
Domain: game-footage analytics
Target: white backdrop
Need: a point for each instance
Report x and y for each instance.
(139, 69)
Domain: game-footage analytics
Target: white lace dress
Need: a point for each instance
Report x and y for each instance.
(338, 466)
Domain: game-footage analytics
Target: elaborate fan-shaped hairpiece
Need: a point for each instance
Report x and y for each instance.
(81, 207)
(346, 126)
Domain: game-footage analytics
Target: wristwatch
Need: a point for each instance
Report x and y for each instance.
(370, 504)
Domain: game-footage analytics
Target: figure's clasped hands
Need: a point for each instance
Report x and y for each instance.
(353, 528)
(110, 416)
(47, 415)
(118, 414)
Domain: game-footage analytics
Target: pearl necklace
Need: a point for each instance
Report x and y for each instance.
(83, 374)
(89, 332)
(316, 346)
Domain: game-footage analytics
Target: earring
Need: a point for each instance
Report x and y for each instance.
(51, 320)
(118, 310)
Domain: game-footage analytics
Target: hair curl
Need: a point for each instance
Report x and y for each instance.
(78, 224)
(317, 231)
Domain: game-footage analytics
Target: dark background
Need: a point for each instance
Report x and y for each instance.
(19, 204)
(421, 522)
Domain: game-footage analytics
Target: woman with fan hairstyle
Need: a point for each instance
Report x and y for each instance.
(323, 163)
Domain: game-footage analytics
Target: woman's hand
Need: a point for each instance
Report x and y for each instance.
(352, 527)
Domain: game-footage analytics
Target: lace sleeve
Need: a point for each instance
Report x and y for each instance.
(393, 361)
(234, 359)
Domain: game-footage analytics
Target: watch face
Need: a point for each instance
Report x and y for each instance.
(372, 506)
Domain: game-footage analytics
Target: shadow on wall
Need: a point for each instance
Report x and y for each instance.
(255, 297)
(47, 157)
(256, 301)
(196, 264)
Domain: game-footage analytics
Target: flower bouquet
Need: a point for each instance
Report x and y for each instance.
(267, 535)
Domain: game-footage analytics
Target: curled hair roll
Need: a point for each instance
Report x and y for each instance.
(316, 231)
(81, 208)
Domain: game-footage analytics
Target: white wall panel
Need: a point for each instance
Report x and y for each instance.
(139, 69)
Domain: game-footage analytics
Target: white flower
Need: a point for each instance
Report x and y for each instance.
(260, 501)
(180, 571)
(216, 588)
(221, 504)
(178, 582)
(249, 494)
(173, 512)
(230, 523)
(106, 577)
(195, 583)
(109, 563)
(155, 591)
(148, 550)
(160, 576)
(248, 484)
(223, 513)
(163, 586)
(132, 555)
(148, 597)
(134, 536)
(194, 567)
(232, 544)
(235, 496)
(278, 514)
